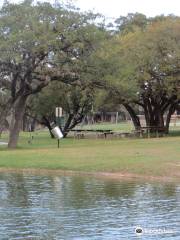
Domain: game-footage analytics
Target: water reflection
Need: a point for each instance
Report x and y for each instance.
(59, 207)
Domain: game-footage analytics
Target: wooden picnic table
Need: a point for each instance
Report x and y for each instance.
(90, 130)
(105, 132)
(156, 129)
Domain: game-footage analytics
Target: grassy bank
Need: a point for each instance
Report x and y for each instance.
(150, 157)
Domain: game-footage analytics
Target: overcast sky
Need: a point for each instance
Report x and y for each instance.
(115, 8)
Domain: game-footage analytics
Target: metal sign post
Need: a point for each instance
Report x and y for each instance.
(56, 130)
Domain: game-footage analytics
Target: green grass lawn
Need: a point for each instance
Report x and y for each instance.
(150, 157)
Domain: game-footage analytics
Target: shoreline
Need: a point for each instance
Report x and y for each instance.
(99, 175)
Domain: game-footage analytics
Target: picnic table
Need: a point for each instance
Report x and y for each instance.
(79, 133)
(148, 130)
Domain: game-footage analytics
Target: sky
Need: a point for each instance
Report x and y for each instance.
(116, 8)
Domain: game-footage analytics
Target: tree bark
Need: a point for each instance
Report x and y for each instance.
(2, 122)
(168, 118)
(154, 116)
(3, 115)
(33, 125)
(16, 126)
(1, 130)
(154, 111)
(46, 123)
(134, 116)
(67, 125)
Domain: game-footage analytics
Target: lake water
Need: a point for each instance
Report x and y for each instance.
(83, 208)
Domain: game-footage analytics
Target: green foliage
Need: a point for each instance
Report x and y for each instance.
(40, 43)
(151, 58)
(144, 61)
(144, 67)
(131, 23)
(70, 98)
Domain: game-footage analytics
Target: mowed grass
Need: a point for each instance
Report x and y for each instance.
(149, 157)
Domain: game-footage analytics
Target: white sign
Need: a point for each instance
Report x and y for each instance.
(59, 112)
(57, 133)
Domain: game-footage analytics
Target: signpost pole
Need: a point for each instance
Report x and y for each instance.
(56, 131)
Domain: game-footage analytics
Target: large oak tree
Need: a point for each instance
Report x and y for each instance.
(39, 44)
(146, 71)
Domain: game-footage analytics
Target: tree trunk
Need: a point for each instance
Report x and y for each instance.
(154, 119)
(67, 125)
(134, 117)
(25, 123)
(148, 118)
(160, 119)
(33, 125)
(3, 115)
(1, 130)
(168, 118)
(15, 129)
(71, 123)
(2, 122)
(46, 123)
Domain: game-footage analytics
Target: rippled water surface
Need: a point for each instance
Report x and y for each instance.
(59, 207)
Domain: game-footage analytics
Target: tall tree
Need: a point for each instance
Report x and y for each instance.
(39, 44)
(147, 71)
(131, 22)
(76, 102)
